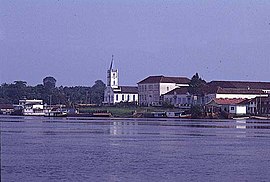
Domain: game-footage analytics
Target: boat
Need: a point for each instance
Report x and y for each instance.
(260, 117)
(56, 113)
(240, 118)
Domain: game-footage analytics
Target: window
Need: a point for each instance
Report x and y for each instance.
(168, 88)
(116, 97)
(232, 108)
(128, 98)
(134, 97)
(123, 97)
(179, 100)
(113, 82)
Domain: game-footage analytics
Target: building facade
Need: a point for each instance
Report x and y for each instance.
(179, 97)
(236, 89)
(153, 87)
(259, 106)
(114, 93)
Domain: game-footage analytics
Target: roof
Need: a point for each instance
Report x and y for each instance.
(213, 89)
(241, 84)
(127, 90)
(238, 91)
(226, 101)
(165, 79)
(178, 91)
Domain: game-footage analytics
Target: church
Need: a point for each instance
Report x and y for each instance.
(114, 93)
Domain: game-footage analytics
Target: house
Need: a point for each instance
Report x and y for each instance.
(153, 87)
(114, 93)
(259, 106)
(179, 97)
(232, 106)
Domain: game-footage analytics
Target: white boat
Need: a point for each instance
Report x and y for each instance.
(32, 107)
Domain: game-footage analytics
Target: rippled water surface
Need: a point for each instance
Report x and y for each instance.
(61, 149)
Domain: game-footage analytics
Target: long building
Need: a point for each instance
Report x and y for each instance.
(180, 97)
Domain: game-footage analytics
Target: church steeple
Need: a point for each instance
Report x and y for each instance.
(112, 76)
(111, 66)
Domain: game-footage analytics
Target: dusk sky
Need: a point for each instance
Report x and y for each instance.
(73, 41)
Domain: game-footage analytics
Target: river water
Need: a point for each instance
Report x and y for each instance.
(61, 149)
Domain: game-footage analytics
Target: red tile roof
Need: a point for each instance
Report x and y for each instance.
(239, 91)
(165, 79)
(240, 84)
(218, 90)
(221, 101)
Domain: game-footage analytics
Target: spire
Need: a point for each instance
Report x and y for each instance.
(111, 66)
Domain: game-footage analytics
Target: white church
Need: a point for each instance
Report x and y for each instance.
(114, 93)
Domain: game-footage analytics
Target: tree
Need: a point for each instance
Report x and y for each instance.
(49, 82)
(197, 88)
(196, 85)
(97, 92)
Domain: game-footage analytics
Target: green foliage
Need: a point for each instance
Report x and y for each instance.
(49, 82)
(196, 85)
(12, 93)
(97, 92)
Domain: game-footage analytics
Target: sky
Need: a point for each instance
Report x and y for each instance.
(73, 41)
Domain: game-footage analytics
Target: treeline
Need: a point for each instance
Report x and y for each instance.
(12, 93)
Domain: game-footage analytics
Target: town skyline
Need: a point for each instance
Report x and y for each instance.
(74, 41)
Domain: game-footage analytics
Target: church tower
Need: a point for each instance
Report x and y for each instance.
(112, 76)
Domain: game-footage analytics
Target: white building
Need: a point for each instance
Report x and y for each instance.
(114, 93)
(236, 89)
(153, 87)
(179, 97)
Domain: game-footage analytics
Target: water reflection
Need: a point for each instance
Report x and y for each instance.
(123, 128)
(40, 149)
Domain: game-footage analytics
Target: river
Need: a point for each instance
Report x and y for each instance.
(73, 149)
